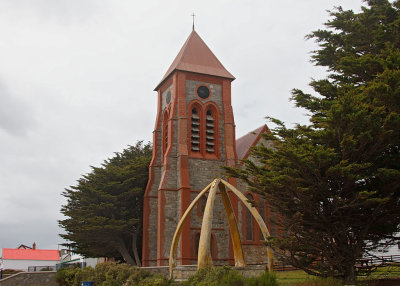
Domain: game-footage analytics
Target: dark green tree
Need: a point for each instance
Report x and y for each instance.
(104, 209)
(336, 181)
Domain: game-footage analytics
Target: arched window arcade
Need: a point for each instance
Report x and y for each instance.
(203, 127)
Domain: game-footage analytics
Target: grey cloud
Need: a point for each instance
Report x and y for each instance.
(16, 117)
(62, 12)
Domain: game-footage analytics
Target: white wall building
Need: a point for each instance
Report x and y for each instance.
(22, 259)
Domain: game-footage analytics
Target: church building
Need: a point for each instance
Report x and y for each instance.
(194, 137)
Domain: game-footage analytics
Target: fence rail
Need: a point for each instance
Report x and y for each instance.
(379, 260)
(41, 268)
(365, 266)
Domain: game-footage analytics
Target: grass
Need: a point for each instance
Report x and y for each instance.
(389, 271)
(290, 277)
(300, 278)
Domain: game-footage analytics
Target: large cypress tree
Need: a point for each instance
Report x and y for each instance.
(104, 209)
(336, 181)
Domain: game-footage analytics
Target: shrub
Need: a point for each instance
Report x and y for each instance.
(66, 276)
(154, 280)
(109, 274)
(225, 276)
(266, 279)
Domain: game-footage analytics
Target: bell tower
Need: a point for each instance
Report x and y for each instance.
(194, 136)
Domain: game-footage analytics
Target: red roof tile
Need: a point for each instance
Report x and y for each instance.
(196, 56)
(244, 143)
(30, 254)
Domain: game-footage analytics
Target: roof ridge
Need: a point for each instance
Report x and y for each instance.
(244, 143)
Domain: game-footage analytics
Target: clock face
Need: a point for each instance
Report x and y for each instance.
(168, 98)
(203, 91)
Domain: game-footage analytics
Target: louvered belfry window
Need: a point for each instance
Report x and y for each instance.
(210, 132)
(195, 130)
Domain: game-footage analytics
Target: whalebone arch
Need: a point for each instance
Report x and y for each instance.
(204, 258)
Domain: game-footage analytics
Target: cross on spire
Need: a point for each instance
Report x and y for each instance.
(193, 15)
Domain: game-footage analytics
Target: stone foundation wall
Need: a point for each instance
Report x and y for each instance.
(45, 278)
(255, 254)
(185, 271)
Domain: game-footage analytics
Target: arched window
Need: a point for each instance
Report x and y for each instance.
(213, 245)
(196, 244)
(210, 131)
(165, 132)
(203, 203)
(195, 130)
(249, 221)
(201, 206)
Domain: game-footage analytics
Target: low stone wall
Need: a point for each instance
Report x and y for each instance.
(183, 272)
(164, 270)
(45, 278)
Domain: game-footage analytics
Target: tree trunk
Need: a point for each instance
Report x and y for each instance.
(134, 248)
(350, 276)
(121, 248)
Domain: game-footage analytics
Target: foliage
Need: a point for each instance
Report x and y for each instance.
(266, 279)
(336, 182)
(226, 276)
(11, 271)
(109, 274)
(66, 276)
(104, 210)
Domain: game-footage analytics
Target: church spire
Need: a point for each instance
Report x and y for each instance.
(195, 56)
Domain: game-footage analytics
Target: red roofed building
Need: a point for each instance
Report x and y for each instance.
(21, 259)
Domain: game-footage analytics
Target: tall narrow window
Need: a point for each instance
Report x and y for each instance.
(166, 136)
(196, 244)
(212, 243)
(210, 132)
(203, 204)
(249, 221)
(165, 132)
(195, 131)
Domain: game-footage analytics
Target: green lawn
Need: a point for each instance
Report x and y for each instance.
(300, 278)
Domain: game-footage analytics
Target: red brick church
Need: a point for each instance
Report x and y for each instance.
(194, 136)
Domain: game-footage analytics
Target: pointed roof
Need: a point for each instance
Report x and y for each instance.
(244, 143)
(196, 56)
(31, 254)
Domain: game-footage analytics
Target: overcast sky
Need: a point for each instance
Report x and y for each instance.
(77, 80)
